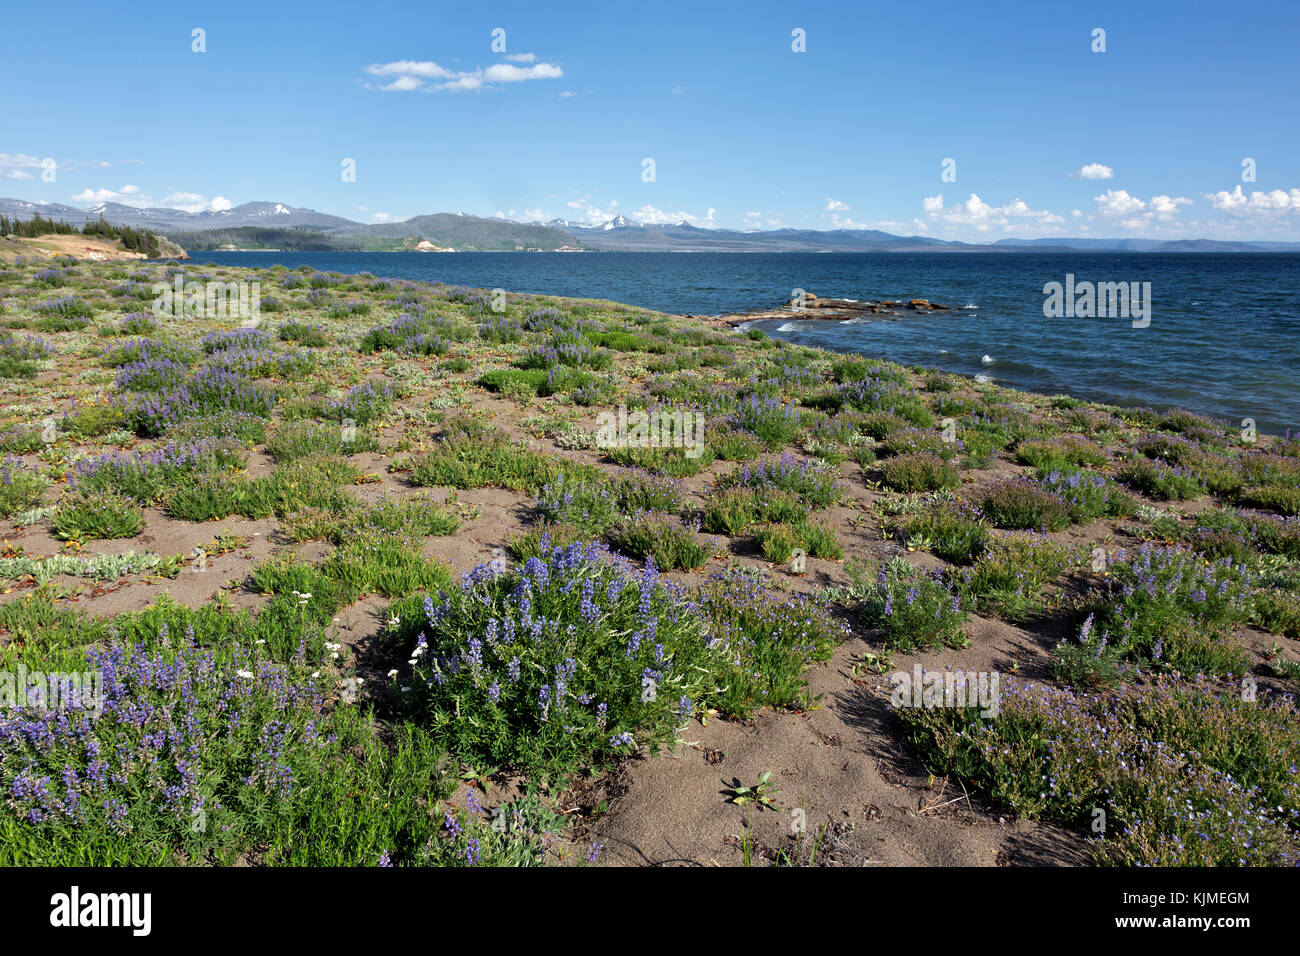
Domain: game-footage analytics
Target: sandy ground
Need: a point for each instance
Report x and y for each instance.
(847, 784)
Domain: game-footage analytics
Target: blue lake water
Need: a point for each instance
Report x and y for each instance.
(1224, 335)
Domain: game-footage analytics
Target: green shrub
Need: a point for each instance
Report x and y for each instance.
(20, 488)
(1008, 578)
(915, 608)
(1214, 789)
(920, 472)
(953, 533)
(664, 538)
(88, 421)
(766, 639)
(734, 444)
(1059, 451)
(814, 484)
(82, 515)
(293, 440)
(1086, 495)
(615, 662)
(778, 542)
(1159, 480)
(1020, 503)
(731, 511)
(673, 462)
(473, 456)
(1284, 499)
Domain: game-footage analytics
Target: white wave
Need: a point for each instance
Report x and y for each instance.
(787, 327)
(944, 352)
(983, 379)
(987, 360)
(970, 305)
(858, 321)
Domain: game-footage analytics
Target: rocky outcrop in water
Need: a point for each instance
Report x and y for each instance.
(814, 307)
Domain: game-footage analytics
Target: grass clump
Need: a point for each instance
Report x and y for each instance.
(954, 532)
(779, 542)
(814, 484)
(1008, 578)
(472, 455)
(1020, 503)
(918, 472)
(1187, 771)
(21, 489)
(664, 539)
(732, 511)
(1158, 480)
(914, 608)
(83, 515)
(767, 640)
(1060, 451)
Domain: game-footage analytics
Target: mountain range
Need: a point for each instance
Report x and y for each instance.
(278, 225)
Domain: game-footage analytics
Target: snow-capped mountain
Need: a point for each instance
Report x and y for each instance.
(162, 220)
(619, 234)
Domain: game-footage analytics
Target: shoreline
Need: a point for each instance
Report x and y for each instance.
(369, 442)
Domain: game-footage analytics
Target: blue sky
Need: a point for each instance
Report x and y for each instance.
(1048, 136)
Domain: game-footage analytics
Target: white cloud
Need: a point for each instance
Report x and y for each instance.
(131, 195)
(846, 222)
(1093, 171)
(524, 215)
(402, 84)
(508, 73)
(188, 202)
(425, 69)
(16, 165)
(565, 94)
(1117, 202)
(1132, 212)
(428, 77)
(591, 212)
(97, 195)
(1266, 205)
(654, 216)
(975, 213)
(373, 216)
(678, 90)
(20, 165)
(834, 205)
